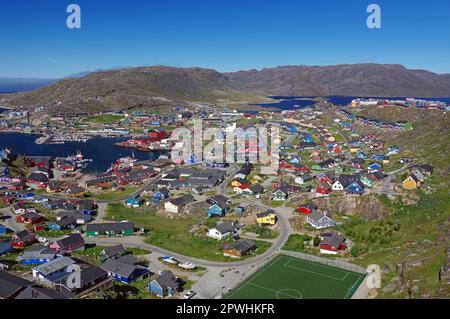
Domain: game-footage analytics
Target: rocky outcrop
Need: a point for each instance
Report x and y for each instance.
(368, 207)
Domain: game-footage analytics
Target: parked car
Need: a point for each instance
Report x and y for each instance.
(170, 260)
(42, 240)
(189, 294)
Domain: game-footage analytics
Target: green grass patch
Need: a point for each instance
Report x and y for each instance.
(105, 119)
(174, 234)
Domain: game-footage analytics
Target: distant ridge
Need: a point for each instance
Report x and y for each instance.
(160, 85)
(346, 79)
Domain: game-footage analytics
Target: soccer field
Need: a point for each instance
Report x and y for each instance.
(286, 277)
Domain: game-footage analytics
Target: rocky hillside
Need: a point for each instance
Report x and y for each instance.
(160, 85)
(349, 79)
(121, 89)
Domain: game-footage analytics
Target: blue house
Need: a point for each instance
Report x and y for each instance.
(378, 157)
(5, 247)
(4, 229)
(134, 201)
(37, 256)
(4, 171)
(217, 209)
(167, 284)
(295, 160)
(393, 150)
(375, 168)
(26, 196)
(66, 223)
(292, 128)
(124, 269)
(355, 188)
(346, 124)
(361, 155)
(156, 122)
(214, 164)
(160, 195)
(308, 139)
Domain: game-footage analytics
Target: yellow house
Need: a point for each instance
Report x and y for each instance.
(256, 179)
(354, 150)
(236, 183)
(267, 218)
(411, 182)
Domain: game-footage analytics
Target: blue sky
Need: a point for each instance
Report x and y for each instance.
(226, 35)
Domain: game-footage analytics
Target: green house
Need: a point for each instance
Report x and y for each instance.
(110, 229)
(366, 181)
(279, 195)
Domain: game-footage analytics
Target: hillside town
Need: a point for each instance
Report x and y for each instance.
(159, 229)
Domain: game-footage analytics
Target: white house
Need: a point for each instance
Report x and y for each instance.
(341, 183)
(299, 180)
(176, 204)
(221, 231)
(319, 220)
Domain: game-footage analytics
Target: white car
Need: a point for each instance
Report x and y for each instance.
(42, 240)
(187, 265)
(189, 294)
(170, 260)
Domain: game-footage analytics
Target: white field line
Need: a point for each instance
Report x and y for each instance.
(264, 268)
(278, 291)
(313, 272)
(352, 286)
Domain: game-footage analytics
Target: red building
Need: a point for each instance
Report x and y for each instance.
(332, 243)
(306, 209)
(22, 238)
(323, 190)
(157, 135)
(31, 218)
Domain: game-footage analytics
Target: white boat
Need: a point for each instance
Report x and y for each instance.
(187, 265)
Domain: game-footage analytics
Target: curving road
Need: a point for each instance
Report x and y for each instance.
(138, 242)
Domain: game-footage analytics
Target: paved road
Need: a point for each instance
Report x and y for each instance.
(10, 220)
(283, 214)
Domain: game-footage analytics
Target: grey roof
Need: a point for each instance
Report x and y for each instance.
(38, 252)
(244, 245)
(114, 250)
(316, 216)
(168, 279)
(225, 227)
(25, 235)
(333, 239)
(39, 293)
(183, 200)
(54, 265)
(107, 227)
(346, 180)
(66, 221)
(72, 239)
(5, 246)
(128, 259)
(119, 267)
(10, 284)
(87, 275)
(258, 188)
